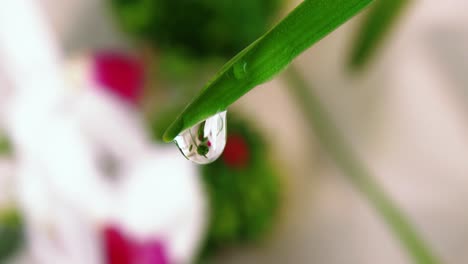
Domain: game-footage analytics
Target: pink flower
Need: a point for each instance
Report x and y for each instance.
(121, 74)
(117, 248)
(122, 249)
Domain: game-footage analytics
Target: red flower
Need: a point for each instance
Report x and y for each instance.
(236, 152)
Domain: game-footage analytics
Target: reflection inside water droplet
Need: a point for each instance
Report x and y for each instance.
(204, 142)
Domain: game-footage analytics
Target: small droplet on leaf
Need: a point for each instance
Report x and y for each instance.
(240, 70)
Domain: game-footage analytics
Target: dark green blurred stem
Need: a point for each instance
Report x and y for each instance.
(377, 25)
(5, 147)
(11, 234)
(342, 154)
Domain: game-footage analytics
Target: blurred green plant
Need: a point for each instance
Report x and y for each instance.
(266, 57)
(244, 189)
(5, 147)
(376, 27)
(201, 28)
(11, 233)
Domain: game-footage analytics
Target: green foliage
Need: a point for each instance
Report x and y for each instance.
(266, 57)
(244, 199)
(11, 233)
(201, 27)
(5, 147)
(377, 25)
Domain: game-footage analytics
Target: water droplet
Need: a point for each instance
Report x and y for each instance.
(204, 142)
(240, 70)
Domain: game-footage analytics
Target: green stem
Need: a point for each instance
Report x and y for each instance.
(378, 24)
(5, 147)
(342, 154)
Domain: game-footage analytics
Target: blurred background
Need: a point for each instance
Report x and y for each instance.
(87, 88)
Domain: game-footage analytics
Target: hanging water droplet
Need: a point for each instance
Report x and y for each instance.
(240, 70)
(204, 142)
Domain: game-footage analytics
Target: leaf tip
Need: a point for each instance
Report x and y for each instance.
(172, 131)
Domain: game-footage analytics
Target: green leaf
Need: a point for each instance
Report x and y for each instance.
(267, 56)
(377, 25)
